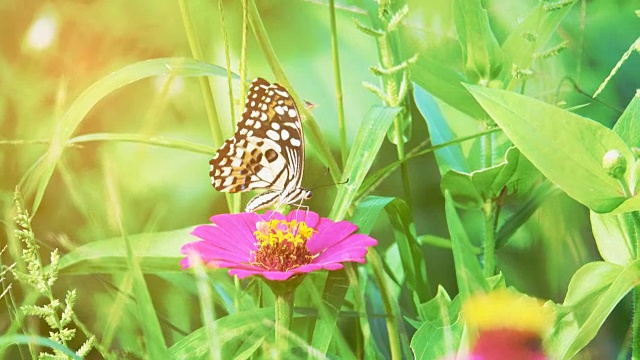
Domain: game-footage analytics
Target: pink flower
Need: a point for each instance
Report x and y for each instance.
(276, 246)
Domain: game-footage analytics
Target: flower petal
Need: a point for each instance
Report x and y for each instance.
(351, 248)
(210, 250)
(238, 226)
(224, 239)
(329, 233)
(309, 217)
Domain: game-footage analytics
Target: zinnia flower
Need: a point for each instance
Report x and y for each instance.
(276, 246)
(508, 325)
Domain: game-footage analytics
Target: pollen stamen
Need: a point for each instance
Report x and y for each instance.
(282, 245)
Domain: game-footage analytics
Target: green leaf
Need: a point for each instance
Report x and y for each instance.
(593, 293)
(367, 213)
(402, 134)
(536, 198)
(413, 264)
(468, 272)
(156, 252)
(615, 237)
(565, 147)
(335, 290)
(628, 126)
(365, 148)
(39, 341)
(482, 54)
(439, 335)
(240, 335)
(147, 315)
(70, 121)
(445, 84)
(473, 190)
(450, 157)
(530, 36)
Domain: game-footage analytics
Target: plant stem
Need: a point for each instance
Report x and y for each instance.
(284, 315)
(487, 147)
(337, 78)
(392, 89)
(196, 52)
(227, 61)
(489, 211)
(236, 198)
(206, 310)
(387, 300)
(635, 339)
(233, 201)
(635, 215)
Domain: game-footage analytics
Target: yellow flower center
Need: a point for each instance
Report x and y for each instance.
(282, 245)
(504, 309)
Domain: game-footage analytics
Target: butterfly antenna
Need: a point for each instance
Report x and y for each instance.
(330, 184)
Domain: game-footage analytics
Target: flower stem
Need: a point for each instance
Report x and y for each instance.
(284, 292)
(284, 314)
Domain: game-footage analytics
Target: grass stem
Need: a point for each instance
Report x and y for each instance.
(338, 82)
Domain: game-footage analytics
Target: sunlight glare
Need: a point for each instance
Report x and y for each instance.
(42, 32)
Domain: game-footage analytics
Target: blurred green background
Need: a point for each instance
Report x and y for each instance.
(51, 51)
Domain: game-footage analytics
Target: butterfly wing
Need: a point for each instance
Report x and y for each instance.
(267, 150)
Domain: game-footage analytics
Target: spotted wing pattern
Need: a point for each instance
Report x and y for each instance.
(266, 151)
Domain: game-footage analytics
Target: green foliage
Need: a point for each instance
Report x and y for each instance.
(593, 293)
(573, 147)
(57, 315)
(463, 152)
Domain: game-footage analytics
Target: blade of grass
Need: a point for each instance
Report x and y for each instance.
(335, 56)
(374, 179)
(367, 214)
(391, 311)
(335, 290)
(232, 328)
(370, 348)
(312, 130)
(36, 340)
(149, 324)
(206, 305)
(365, 148)
(233, 200)
(205, 86)
(38, 180)
(144, 139)
(468, 271)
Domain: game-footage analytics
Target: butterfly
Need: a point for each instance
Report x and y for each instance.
(266, 151)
